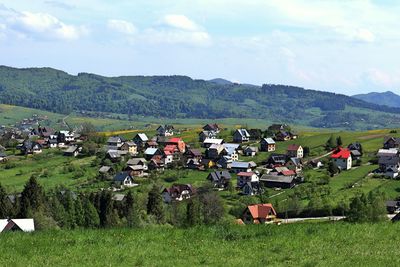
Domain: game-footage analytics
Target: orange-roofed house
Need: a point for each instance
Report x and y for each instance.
(341, 157)
(259, 214)
(179, 143)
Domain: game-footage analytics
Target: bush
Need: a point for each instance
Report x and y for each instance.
(171, 179)
(10, 165)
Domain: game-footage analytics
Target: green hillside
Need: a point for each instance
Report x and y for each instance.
(388, 98)
(316, 244)
(177, 97)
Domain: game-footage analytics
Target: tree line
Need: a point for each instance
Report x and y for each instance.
(62, 208)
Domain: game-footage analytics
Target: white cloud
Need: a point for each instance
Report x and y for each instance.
(43, 26)
(382, 78)
(177, 29)
(352, 20)
(364, 35)
(180, 22)
(121, 26)
(197, 38)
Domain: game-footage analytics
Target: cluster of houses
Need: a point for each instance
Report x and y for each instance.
(389, 157)
(45, 137)
(163, 150)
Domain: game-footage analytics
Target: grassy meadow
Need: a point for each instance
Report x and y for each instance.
(304, 244)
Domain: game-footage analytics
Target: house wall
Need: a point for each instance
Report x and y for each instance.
(344, 164)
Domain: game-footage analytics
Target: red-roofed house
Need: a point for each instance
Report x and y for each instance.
(178, 142)
(295, 151)
(341, 157)
(259, 213)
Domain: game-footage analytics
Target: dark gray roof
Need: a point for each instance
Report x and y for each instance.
(277, 178)
(104, 169)
(120, 177)
(239, 164)
(218, 175)
(113, 154)
(114, 139)
(136, 161)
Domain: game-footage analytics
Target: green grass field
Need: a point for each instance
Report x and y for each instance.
(51, 167)
(307, 244)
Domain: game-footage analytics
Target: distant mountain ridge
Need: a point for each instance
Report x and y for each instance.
(387, 98)
(183, 97)
(221, 81)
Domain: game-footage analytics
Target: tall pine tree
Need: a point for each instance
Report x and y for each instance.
(5, 204)
(155, 204)
(32, 198)
(91, 217)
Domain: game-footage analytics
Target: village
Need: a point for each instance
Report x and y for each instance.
(247, 164)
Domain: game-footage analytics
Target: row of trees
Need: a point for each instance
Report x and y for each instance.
(62, 208)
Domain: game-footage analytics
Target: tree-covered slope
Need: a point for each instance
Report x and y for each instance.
(183, 97)
(388, 98)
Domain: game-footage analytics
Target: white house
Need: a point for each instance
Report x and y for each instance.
(341, 157)
(246, 177)
(25, 225)
(295, 151)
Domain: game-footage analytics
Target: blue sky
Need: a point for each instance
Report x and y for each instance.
(340, 46)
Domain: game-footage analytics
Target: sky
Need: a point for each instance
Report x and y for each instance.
(340, 46)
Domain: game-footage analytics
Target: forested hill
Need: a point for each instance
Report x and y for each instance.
(183, 97)
(386, 98)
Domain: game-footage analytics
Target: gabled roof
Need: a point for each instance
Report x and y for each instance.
(219, 175)
(293, 147)
(246, 174)
(251, 148)
(268, 140)
(232, 145)
(277, 178)
(71, 149)
(341, 153)
(136, 161)
(243, 132)
(150, 151)
(129, 143)
(387, 138)
(113, 154)
(114, 139)
(261, 211)
(296, 161)
(175, 140)
(26, 225)
(240, 164)
(195, 152)
(213, 141)
(391, 152)
(211, 126)
(142, 136)
(104, 169)
(120, 177)
(118, 197)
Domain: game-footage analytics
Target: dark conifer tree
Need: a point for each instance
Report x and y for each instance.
(91, 217)
(6, 209)
(155, 204)
(32, 198)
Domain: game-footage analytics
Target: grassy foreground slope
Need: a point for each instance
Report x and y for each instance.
(309, 244)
